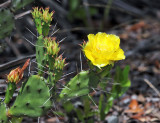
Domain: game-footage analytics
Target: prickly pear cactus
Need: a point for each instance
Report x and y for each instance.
(40, 54)
(42, 19)
(121, 77)
(6, 22)
(9, 93)
(3, 112)
(80, 85)
(18, 4)
(33, 100)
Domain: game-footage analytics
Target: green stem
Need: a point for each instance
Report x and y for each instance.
(10, 91)
(51, 61)
(105, 71)
(40, 54)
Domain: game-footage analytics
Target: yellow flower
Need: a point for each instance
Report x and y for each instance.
(103, 49)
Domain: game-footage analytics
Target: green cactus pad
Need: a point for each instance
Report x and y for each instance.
(18, 4)
(33, 100)
(6, 23)
(9, 92)
(3, 112)
(42, 18)
(80, 85)
(40, 54)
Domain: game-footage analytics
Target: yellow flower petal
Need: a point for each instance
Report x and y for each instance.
(103, 49)
(118, 55)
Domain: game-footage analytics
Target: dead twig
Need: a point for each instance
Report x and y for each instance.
(5, 4)
(15, 62)
(22, 14)
(151, 85)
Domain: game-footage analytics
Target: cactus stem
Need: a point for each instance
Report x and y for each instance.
(9, 92)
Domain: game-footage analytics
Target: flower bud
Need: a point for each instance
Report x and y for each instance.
(46, 16)
(17, 74)
(42, 14)
(42, 19)
(59, 63)
(51, 45)
(36, 13)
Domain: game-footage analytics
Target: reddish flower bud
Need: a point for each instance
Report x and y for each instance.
(17, 74)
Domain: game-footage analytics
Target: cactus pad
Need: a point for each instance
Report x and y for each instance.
(10, 91)
(3, 112)
(42, 18)
(80, 85)
(6, 23)
(18, 4)
(33, 100)
(40, 54)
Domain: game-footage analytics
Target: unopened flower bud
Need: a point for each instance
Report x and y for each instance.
(42, 18)
(51, 45)
(17, 74)
(46, 16)
(59, 63)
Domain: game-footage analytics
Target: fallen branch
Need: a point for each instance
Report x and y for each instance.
(15, 62)
(5, 4)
